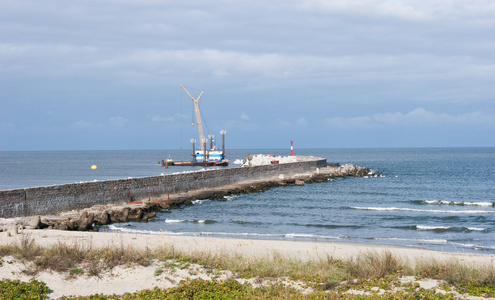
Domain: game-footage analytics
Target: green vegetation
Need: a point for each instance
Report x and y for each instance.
(232, 289)
(64, 258)
(76, 271)
(17, 290)
(372, 273)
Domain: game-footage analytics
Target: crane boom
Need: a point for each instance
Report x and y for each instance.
(198, 118)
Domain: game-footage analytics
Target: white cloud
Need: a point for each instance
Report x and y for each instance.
(119, 121)
(297, 58)
(240, 126)
(154, 28)
(82, 124)
(283, 123)
(416, 118)
(158, 118)
(302, 122)
(411, 10)
(145, 66)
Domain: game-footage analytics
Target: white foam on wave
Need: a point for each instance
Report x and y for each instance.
(201, 221)
(460, 203)
(476, 229)
(311, 236)
(424, 210)
(230, 197)
(231, 234)
(130, 230)
(427, 241)
(240, 234)
(197, 201)
(423, 227)
(293, 235)
(487, 204)
(173, 221)
(474, 246)
(431, 201)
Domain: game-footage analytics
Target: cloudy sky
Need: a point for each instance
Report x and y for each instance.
(106, 74)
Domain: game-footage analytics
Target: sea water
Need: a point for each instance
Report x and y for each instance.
(433, 198)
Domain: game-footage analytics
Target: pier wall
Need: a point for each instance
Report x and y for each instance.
(58, 198)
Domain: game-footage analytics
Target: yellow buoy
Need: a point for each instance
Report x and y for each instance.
(94, 167)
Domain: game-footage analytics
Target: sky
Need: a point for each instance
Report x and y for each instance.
(106, 74)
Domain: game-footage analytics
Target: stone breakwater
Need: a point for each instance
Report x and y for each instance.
(65, 197)
(144, 207)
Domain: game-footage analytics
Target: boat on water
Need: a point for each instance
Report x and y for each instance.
(204, 157)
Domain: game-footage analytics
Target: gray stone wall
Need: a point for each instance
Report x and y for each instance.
(59, 198)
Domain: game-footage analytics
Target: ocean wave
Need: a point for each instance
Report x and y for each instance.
(241, 222)
(204, 221)
(200, 221)
(423, 227)
(476, 229)
(230, 197)
(475, 247)
(198, 201)
(174, 221)
(295, 236)
(309, 236)
(151, 232)
(185, 233)
(424, 210)
(329, 226)
(423, 241)
(450, 228)
(458, 203)
(130, 230)
(240, 234)
(443, 228)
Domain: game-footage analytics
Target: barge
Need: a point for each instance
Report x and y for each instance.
(205, 157)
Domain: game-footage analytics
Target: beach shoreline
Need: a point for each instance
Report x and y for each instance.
(121, 279)
(303, 250)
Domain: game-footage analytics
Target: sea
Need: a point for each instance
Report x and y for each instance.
(431, 198)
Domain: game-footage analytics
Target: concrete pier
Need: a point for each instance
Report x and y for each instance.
(59, 198)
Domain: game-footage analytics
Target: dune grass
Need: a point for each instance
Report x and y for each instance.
(321, 274)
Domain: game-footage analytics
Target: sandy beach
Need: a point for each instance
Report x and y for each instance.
(303, 250)
(129, 279)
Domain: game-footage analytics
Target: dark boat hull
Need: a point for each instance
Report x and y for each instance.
(199, 163)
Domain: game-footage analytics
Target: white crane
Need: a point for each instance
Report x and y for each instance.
(202, 139)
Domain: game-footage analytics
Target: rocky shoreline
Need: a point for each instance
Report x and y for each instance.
(90, 218)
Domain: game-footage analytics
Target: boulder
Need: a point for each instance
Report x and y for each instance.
(125, 214)
(35, 222)
(14, 230)
(148, 216)
(113, 216)
(71, 225)
(117, 216)
(61, 226)
(83, 216)
(135, 215)
(102, 219)
(164, 204)
(87, 223)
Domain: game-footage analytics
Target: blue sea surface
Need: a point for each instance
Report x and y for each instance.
(433, 198)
